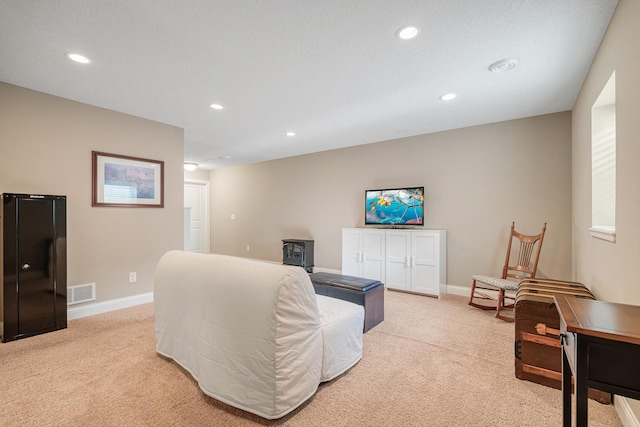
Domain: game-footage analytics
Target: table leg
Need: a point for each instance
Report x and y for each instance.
(566, 391)
(581, 383)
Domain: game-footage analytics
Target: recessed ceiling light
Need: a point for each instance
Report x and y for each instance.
(503, 65)
(448, 96)
(77, 57)
(190, 166)
(216, 106)
(226, 157)
(290, 134)
(407, 32)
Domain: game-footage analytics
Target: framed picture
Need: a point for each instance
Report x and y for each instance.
(127, 181)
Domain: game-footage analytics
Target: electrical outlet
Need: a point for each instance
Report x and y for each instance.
(248, 248)
(132, 277)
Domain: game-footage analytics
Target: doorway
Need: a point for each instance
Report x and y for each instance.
(196, 203)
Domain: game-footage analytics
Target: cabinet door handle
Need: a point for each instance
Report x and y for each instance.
(364, 257)
(26, 266)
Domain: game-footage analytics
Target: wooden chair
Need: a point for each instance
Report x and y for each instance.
(515, 269)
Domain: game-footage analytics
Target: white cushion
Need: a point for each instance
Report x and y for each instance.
(506, 284)
(341, 323)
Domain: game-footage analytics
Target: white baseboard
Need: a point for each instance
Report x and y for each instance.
(105, 306)
(458, 290)
(102, 307)
(116, 304)
(326, 270)
(628, 418)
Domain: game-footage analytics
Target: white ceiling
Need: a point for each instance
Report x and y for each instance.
(332, 71)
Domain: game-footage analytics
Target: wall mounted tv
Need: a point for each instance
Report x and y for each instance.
(393, 207)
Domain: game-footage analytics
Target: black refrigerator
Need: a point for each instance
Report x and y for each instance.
(34, 264)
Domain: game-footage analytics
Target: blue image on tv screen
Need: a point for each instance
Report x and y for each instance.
(402, 206)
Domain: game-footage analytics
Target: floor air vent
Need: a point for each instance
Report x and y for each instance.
(81, 293)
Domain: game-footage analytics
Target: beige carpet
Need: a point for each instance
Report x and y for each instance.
(430, 363)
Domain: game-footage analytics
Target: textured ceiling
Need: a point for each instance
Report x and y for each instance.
(332, 71)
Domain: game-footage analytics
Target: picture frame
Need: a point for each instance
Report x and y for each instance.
(126, 181)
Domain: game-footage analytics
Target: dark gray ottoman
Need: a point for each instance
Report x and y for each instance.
(365, 292)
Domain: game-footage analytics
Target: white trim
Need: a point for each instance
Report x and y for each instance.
(464, 291)
(196, 181)
(315, 269)
(326, 270)
(603, 233)
(627, 417)
(105, 306)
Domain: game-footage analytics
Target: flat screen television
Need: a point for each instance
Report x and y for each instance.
(396, 206)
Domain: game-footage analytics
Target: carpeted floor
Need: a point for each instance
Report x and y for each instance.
(430, 363)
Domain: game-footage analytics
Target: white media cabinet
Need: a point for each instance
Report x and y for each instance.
(404, 260)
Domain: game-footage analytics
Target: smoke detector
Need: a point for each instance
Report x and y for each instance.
(503, 65)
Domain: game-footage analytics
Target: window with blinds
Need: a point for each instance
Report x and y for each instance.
(603, 163)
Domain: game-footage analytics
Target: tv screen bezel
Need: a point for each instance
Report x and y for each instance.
(397, 225)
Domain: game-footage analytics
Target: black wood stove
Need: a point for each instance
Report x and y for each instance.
(298, 252)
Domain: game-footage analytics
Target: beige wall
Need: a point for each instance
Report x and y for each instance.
(45, 148)
(477, 180)
(610, 267)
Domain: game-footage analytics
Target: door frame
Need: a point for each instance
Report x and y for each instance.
(207, 221)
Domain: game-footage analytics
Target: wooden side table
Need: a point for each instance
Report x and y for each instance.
(600, 348)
